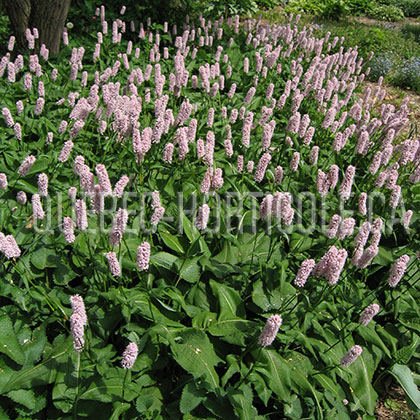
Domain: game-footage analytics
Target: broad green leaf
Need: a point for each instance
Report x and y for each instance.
(44, 256)
(110, 388)
(363, 370)
(196, 355)
(404, 376)
(241, 400)
(230, 302)
(66, 387)
(26, 397)
(172, 242)
(191, 397)
(190, 270)
(276, 372)
(119, 408)
(150, 399)
(165, 260)
(371, 337)
(9, 344)
(404, 355)
(42, 373)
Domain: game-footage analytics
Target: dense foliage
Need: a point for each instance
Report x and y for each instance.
(242, 228)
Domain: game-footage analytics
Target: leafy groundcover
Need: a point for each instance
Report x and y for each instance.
(205, 222)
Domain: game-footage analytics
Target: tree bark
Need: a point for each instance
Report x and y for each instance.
(48, 16)
(18, 12)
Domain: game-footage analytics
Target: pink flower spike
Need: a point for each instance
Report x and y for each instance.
(270, 330)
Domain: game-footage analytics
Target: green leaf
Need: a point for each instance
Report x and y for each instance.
(65, 390)
(9, 344)
(241, 400)
(190, 270)
(172, 242)
(371, 337)
(25, 397)
(363, 369)
(119, 408)
(191, 397)
(42, 373)
(110, 388)
(44, 257)
(149, 400)
(230, 302)
(165, 260)
(196, 355)
(276, 373)
(404, 376)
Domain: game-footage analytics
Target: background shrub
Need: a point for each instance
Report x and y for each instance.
(389, 13)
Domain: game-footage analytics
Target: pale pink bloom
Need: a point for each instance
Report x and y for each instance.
(113, 264)
(368, 314)
(294, 163)
(313, 158)
(18, 131)
(332, 229)
(363, 235)
(332, 177)
(39, 106)
(250, 166)
(120, 185)
(37, 210)
(278, 175)
(7, 117)
(62, 127)
(168, 152)
(118, 227)
(19, 107)
(21, 197)
(368, 255)
(240, 163)
(351, 356)
(270, 330)
(335, 267)
(9, 247)
(103, 179)
(206, 182)
(346, 228)
(157, 215)
(324, 263)
(266, 207)
(362, 204)
(65, 151)
(143, 256)
(3, 181)
(228, 148)
(202, 217)
(129, 356)
(395, 196)
(304, 272)
(43, 184)
(262, 167)
(346, 185)
(293, 124)
(398, 270)
(376, 163)
(81, 215)
(68, 230)
(407, 218)
(217, 179)
(77, 331)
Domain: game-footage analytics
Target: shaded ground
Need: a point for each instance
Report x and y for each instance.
(393, 406)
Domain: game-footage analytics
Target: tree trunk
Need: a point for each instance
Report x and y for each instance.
(18, 12)
(48, 16)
